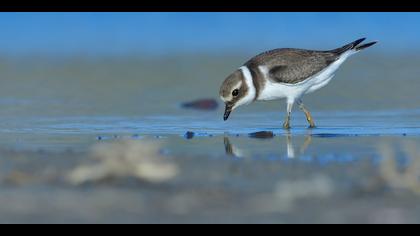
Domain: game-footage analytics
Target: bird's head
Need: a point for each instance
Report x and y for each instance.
(235, 91)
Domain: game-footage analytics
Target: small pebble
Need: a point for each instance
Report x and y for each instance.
(189, 135)
(262, 134)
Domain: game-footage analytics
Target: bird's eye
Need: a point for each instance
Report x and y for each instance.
(235, 92)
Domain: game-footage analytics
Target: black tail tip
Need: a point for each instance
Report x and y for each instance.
(366, 45)
(354, 44)
(357, 42)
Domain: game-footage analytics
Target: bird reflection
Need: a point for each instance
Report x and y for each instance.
(302, 150)
(233, 150)
(230, 149)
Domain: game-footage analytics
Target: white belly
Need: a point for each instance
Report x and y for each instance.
(273, 90)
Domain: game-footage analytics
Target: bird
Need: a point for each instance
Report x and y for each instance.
(285, 73)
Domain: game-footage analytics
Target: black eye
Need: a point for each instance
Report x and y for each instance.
(235, 92)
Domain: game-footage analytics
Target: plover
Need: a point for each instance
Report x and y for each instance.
(285, 73)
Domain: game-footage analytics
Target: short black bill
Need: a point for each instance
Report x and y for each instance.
(228, 109)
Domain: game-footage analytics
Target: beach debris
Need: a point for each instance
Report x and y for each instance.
(262, 134)
(230, 149)
(128, 158)
(189, 135)
(201, 104)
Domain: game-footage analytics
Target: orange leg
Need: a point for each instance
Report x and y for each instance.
(308, 115)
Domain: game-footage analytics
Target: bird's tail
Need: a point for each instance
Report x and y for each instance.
(355, 46)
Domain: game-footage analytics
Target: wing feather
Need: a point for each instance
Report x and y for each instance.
(292, 66)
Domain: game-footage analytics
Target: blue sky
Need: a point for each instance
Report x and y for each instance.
(157, 33)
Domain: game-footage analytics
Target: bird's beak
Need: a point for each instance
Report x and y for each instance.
(228, 109)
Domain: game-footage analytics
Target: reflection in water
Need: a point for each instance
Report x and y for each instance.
(399, 166)
(305, 145)
(232, 150)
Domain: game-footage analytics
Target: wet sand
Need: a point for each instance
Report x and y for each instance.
(67, 172)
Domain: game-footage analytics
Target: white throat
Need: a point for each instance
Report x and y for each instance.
(250, 96)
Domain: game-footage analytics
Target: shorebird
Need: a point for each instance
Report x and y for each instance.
(285, 73)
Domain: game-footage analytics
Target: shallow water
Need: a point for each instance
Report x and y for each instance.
(88, 130)
(360, 164)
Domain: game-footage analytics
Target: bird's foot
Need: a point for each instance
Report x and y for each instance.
(286, 125)
(311, 124)
(310, 120)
